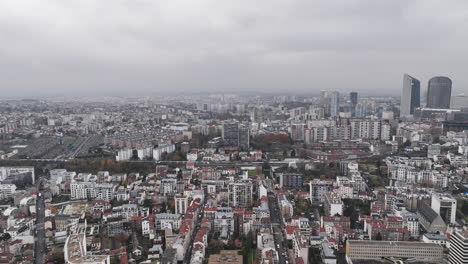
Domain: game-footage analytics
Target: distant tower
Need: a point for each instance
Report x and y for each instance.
(335, 103)
(353, 98)
(410, 96)
(439, 91)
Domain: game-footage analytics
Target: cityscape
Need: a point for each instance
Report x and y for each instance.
(233, 132)
(225, 178)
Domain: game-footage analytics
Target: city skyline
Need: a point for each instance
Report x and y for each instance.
(147, 48)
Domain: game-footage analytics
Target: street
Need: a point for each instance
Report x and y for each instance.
(40, 246)
(188, 254)
(278, 229)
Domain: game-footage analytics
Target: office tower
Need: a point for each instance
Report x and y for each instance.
(458, 253)
(353, 97)
(335, 103)
(410, 96)
(236, 134)
(439, 91)
(445, 206)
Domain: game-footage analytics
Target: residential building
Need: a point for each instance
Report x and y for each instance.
(333, 205)
(240, 194)
(181, 204)
(318, 188)
(290, 180)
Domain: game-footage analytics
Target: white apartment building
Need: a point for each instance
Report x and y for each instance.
(181, 204)
(165, 220)
(92, 190)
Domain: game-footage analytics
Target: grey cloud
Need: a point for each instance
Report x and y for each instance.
(84, 46)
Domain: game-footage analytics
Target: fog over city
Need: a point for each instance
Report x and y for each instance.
(118, 47)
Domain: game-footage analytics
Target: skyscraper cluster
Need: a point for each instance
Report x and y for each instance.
(439, 90)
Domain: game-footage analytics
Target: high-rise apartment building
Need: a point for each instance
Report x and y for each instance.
(410, 96)
(181, 204)
(439, 91)
(236, 134)
(240, 194)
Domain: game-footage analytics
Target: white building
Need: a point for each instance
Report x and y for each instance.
(333, 204)
(445, 206)
(165, 220)
(458, 253)
(181, 203)
(92, 190)
(7, 190)
(159, 150)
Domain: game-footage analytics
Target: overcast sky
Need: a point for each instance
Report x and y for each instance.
(146, 47)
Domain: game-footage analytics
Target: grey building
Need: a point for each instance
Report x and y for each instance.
(439, 92)
(430, 220)
(410, 96)
(240, 194)
(290, 180)
(335, 103)
(353, 97)
(236, 134)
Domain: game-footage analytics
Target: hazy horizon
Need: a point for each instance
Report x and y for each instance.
(125, 48)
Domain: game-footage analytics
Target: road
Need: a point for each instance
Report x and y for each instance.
(188, 254)
(39, 244)
(78, 149)
(278, 229)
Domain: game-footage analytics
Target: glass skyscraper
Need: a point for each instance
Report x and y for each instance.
(439, 91)
(410, 96)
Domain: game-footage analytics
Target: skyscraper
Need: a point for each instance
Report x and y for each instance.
(236, 134)
(439, 91)
(353, 96)
(410, 96)
(335, 103)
